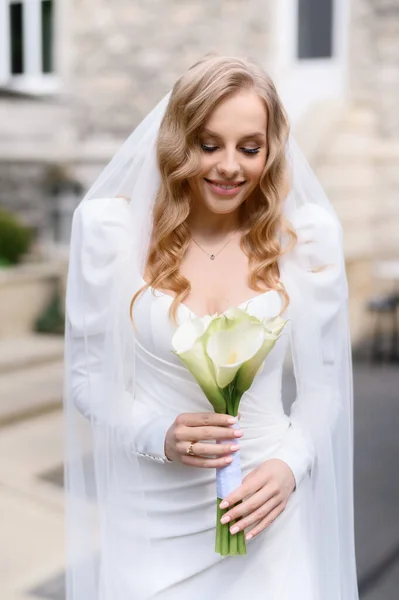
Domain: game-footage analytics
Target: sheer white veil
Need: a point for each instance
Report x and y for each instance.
(109, 245)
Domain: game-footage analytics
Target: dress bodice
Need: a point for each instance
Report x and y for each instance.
(155, 328)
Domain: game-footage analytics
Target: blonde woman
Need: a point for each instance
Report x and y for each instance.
(208, 205)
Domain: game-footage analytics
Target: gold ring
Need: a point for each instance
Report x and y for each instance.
(190, 450)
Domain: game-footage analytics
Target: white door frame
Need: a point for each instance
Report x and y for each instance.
(302, 82)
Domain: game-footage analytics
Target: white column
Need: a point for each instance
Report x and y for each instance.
(5, 58)
(32, 25)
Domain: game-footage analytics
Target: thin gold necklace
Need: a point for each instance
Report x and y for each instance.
(215, 254)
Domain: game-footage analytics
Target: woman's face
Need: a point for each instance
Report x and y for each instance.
(234, 149)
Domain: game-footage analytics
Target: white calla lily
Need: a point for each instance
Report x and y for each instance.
(236, 314)
(228, 350)
(189, 345)
(189, 332)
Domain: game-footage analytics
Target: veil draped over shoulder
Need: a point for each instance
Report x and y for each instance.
(109, 244)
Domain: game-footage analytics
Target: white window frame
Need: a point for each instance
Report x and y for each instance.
(303, 82)
(33, 80)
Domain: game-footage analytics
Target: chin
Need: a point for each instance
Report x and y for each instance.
(222, 205)
(222, 208)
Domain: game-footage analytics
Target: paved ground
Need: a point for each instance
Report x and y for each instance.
(377, 481)
(31, 499)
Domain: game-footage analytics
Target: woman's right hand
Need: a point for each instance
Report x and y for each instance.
(196, 428)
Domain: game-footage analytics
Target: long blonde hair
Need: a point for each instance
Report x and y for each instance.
(193, 98)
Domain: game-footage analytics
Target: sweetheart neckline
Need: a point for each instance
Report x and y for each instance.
(201, 317)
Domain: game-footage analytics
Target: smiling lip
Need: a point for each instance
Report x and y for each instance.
(233, 187)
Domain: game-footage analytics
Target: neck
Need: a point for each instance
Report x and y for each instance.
(211, 227)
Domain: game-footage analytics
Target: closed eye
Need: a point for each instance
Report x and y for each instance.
(250, 150)
(207, 148)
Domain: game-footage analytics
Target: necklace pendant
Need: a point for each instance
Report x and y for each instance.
(212, 257)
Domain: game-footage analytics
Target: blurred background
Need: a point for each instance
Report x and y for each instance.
(75, 78)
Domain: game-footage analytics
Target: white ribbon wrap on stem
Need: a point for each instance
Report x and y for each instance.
(229, 478)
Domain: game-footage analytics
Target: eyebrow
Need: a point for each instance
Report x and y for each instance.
(244, 137)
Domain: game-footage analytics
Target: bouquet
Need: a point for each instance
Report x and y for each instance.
(224, 353)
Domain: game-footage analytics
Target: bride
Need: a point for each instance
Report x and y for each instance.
(209, 205)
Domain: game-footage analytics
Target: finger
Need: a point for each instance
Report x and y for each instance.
(250, 485)
(205, 419)
(202, 449)
(205, 463)
(256, 516)
(247, 507)
(265, 522)
(198, 434)
(214, 433)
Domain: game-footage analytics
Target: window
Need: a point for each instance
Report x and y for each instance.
(26, 44)
(315, 29)
(47, 35)
(16, 38)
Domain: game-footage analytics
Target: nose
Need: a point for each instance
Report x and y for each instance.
(228, 165)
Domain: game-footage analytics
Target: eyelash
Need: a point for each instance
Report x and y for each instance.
(249, 151)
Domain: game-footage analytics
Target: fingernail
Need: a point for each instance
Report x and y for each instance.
(232, 420)
(234, 447)
(225, 519)
(234, 529)
(229, 459)
(224, 504)
(238, 433)
(248, 536)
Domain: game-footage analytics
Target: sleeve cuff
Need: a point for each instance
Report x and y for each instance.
(296, 452)
(150, 442)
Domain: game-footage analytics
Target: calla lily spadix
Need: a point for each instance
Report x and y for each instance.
(230, 349)
(225, 353)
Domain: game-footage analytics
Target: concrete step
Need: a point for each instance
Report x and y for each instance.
(30, 351)
(30, 392)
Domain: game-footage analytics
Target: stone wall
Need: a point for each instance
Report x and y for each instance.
(362, 59)
(128, 54)
(22, 191)
(386, 85)
(374, 83)
(369, 201)
(374, 73)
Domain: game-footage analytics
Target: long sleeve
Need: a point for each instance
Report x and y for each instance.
(100, 228)
(318, 252)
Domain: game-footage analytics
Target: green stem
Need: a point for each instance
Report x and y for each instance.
(241, 545)
(233, 541)
(227, 544)
(218, 539)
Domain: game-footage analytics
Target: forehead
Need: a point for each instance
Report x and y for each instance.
(238, 115)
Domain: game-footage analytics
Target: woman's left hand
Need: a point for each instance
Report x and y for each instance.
(266, 491)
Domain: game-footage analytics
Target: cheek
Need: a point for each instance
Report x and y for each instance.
(255, 170)
(206, 165)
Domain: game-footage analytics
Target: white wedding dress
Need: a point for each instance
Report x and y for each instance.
(180, 500)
